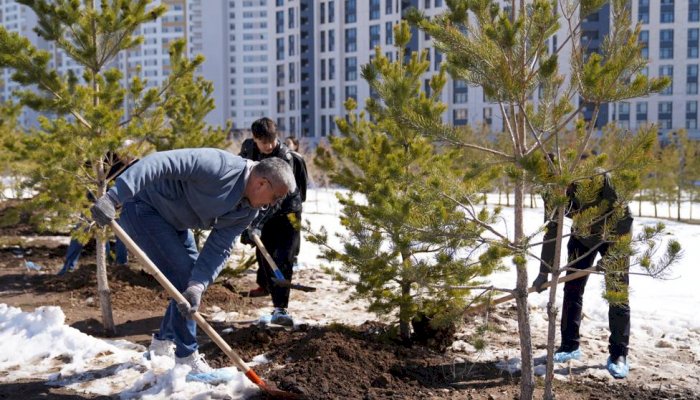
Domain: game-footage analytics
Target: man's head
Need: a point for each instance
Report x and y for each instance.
(264, 135)
(269, 183)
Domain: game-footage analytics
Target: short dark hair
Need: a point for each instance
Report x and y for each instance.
(293, 140)
(264, 129)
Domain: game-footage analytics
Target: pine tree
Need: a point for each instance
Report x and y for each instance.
(84, 118)
(509, 54)
(403, 233)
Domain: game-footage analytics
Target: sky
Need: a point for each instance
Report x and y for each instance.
(37, 343)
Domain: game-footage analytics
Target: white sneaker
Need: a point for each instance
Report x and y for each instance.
(161, 348)
(196, 362)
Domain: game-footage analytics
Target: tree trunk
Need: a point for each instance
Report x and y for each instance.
(640, 202)
(527, 379)
(103, 287)
(552, 308)
(404, 323)
(678, 204)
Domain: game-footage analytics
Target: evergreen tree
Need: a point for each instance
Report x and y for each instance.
(84, 118)
(508, 52)
(403, 233)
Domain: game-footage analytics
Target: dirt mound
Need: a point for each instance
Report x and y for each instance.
(338, 362)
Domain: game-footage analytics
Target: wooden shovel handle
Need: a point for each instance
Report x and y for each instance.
(178, 297)
(259, 244)
(503, 299)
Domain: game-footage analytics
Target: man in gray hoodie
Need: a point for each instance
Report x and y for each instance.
(169, 193)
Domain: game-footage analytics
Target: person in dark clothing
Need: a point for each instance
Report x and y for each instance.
(588, 243)
(279, 226)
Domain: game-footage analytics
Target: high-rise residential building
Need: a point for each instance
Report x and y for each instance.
(670, 34)
(296, 61)
(19, 19)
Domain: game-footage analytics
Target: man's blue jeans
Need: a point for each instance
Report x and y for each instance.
(174, 253)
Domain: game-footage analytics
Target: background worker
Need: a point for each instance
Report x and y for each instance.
(278, 227)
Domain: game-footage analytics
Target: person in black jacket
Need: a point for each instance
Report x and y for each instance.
(279, 226)
(588, 244)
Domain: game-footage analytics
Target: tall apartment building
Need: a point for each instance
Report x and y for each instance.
(296, 61)
(18, 19)
(670, 32)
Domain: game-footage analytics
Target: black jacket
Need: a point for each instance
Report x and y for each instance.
(293, 202)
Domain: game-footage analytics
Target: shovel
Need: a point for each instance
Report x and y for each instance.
(510, 297)
(278, 279)
(201, 322)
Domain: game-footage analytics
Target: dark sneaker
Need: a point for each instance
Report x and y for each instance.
(618, 368)
(258, 292)
(280, 317)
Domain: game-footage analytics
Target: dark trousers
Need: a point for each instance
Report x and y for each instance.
(618, 313)
(281, 240)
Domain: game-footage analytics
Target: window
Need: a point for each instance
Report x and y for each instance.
(292, 103)
(292, 45)
(323, 97)
(351, 69)
(351, 92)
(691, 114)
(331, 11)
(280, 48)
(290, 17)
(667, 70)
(665, 114)
(644, 42)
(331, 40)
(351, 40)
(438, 60)
(375, 9)
(350, 11)
(438, 3)
(460, 117)
(292, 75)
(691, 78)
(693, 42)
(388, 33)
(623, 111)
(374, 36)
(323, 70)
(323, 13)
(292, 126)
(280, 21)
(280, 101)
(426, 4)
(323, 125)
(666, 44)
(460, 91)
(694, 11)
(667, 7)
(387, 7)
(641, 111)
(280, 75)
(487, 115)
(331, 97)
(323, 41)
(331, 68)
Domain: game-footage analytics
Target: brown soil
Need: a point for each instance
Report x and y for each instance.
(330, 362)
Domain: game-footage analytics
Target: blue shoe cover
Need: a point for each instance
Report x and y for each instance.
(215, 377)
(565, 356)
(620, 368)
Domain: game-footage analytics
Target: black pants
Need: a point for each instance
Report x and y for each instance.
(618, 314)
(281, 240)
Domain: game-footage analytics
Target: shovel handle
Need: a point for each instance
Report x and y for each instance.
(178, 297)
(259, 244)
(503, 299)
